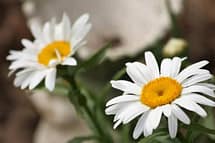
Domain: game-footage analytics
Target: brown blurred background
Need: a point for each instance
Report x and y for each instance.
(19, 118)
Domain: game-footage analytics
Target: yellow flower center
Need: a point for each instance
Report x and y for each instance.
(53, 51)
(160, 91)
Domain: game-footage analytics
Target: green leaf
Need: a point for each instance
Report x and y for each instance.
(95, 59)
(167, 139)
(209, 121)
(82, 139)
(196, 130)
(61, 87)
(201, 129)
(149, 139)
(119, 74)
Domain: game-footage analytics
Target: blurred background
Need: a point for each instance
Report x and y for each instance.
(131, 26)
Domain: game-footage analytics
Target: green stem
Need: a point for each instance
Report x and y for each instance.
(80, 102)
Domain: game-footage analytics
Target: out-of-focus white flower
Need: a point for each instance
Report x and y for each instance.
(136, 23)
(174, 47)
(58, 119)
(28, 7)
(54, 44)
(154, 92)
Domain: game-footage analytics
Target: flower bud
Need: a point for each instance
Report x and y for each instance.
(174, 47)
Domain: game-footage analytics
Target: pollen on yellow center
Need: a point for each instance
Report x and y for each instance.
(160, 91)
(49, 52)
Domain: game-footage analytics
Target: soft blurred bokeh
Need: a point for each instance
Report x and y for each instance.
(130, 25)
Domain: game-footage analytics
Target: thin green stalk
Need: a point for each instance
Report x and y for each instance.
(80, 103)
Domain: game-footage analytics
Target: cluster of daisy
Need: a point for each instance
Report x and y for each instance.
(154, 91)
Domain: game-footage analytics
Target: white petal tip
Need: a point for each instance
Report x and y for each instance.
(30, 88)
(204, 115)
(205, 62)
(112, 81)
(148, 53)
(115, 126)
(128, 64)
(50, 89)
(86, 15)
(184, 58)
(135, 136)
(172, 136)
(109, 103)
(65, 14)
(188, 123)
(106, 111)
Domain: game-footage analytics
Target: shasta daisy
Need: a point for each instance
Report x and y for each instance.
(154, 92)
(54, 44)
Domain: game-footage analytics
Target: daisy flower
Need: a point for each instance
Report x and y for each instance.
(54, 44)
(155, 92)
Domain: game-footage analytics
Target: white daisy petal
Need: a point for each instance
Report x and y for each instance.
(27, 43)
(26, 82)
(66, 26)
(199, 89)
(14, 55)
(172, 126)
(175, 66)
(78, 45)
(196, 79)
(80, 22)
(50, 79)
(134, 72)
(121, 113)
(148, 125)
(191, 106)
(122, 107)
(117, 124)
(190, 70)
(139, 127)
(200, 99)
(58, 32)
(76, 39)
(19, 64)
(19, 80)
(36, 79)
(47, 33)
(123, 98)
(166, 67)
(126, 86)
(152, 64)
(70, 61)
(21, 76)
(207, 85)
(132, 112)
(144, 71)
(155, 117)
(36, 30)
(113, 109)
(79, 29)
(180, 114)
(166, 110)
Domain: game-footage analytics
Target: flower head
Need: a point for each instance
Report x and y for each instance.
(54, 44)
(154, 92)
